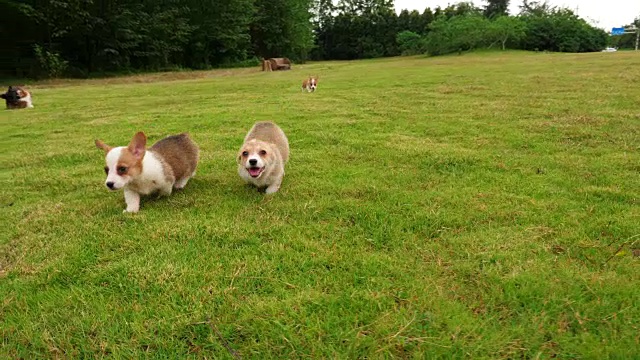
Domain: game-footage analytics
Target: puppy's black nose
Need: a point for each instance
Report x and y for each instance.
(253, 161)
(110, 185)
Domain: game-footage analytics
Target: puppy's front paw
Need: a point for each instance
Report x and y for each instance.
(272, 189)
(130, 211)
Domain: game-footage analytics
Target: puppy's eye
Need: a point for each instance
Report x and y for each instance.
(245, 153)
(106, 170)
(122, 170)
(263, 153)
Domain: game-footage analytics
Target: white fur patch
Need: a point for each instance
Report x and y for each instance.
(151, 179)
(27, 99)
(112, 162)
(254, 156)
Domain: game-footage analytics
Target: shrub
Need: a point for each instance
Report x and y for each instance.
(50, 63)
(410, 43)
(458, 33)
(561, 30)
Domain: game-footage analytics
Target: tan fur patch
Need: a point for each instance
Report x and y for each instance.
(179, 153)
(308, 81)
(101, 145)
(270, 133)
(263, 149)
(130, 163)
(22, 93)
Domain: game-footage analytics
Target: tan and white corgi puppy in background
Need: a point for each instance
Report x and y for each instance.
(262, 157)
(168, 164)
(310, 84)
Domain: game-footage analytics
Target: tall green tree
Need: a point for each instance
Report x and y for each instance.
(361, 29)
(427, 18)
(559, 29)
(282, 28)
(323, 23)
(507, 28)
(495, 8)
(220, 32)
(458, 33)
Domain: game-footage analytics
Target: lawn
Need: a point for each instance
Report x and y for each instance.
(476, 206)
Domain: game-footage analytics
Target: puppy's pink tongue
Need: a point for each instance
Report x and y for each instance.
(254, 171)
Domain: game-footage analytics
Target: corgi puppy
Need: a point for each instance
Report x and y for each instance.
(17, 98)
(168, 164)
(262, 157)
(310, 84)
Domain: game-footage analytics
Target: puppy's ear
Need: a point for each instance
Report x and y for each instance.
(138, 144)
(101, 145)
(3, 96)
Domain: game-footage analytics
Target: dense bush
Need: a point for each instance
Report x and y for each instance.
(507, 30)
(458, 33)
(411, 43)
(561, 30)
(50, 64)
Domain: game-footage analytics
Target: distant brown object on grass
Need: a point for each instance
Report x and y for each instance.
(266, 65)
(274, 64)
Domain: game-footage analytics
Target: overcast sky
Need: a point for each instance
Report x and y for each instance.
(604, 14)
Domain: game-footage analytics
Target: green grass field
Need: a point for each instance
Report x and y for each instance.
(476, 206)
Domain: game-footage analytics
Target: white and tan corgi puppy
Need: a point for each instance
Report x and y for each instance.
(310, 84)
(168, 164)
(17, 98)
(262, 157)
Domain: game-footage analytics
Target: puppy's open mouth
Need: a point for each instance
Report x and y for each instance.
(255, 171)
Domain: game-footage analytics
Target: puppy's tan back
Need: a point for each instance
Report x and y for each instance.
(269, 132)
(180, 153)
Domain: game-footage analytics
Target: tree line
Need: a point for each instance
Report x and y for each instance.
(80, 37)
(354, 29)
(83, 37)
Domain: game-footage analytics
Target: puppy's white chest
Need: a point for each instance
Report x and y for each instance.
(153, 177)
(27, 99)
(147, 186)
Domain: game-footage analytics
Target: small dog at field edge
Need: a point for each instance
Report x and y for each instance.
(168, 164)
(310, 84)
(17, 98)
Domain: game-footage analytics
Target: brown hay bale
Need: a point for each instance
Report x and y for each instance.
(273, 64)
(266, 65)
(280, 63)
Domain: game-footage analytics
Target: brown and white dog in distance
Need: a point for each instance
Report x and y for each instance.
(262, 157)
(310, 84)
(168, 164)
(17, 98)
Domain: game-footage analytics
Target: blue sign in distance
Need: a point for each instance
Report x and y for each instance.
(617, 31)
